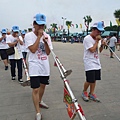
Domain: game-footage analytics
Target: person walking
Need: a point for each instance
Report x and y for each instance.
(39, 44)
(92, 61)
(3, 47)
(14, 41)
(23, 47)
(112, 44)
(106, 39)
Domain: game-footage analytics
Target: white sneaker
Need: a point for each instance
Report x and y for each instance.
(38, 116)
(20, 80)
(43, 105)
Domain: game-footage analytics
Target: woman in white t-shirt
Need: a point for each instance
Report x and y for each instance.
(3, 47)
(39, 44)
(14, 41)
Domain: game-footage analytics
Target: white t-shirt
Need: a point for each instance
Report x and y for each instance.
(91, 60)
(38, 61)
(11, 39)
(23, 47)
(3, 44)
(112, 41)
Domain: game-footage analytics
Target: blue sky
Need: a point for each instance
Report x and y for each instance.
(21, 12)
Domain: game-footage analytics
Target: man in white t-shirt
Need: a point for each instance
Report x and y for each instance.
(39, 45)
(3, 47)
(112, 44)
(91, 60)
(14, 41)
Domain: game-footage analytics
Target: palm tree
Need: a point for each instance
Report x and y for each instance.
(54, 27)
(87, 21)
(68, 24)
(117, 16)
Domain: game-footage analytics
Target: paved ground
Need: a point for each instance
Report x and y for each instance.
(16, 102)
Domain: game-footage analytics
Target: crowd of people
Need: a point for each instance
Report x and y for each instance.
(14, 47)
(38, 45)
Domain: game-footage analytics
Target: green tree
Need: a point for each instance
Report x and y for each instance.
(112, 28)
(87, 21)
(54, 27)
(68, 24)
(117, 16)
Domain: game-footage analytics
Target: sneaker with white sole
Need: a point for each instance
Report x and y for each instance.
(93, 97)
(43, 105)
(85, 96)
(13, 78)
(38, 116)
(20, 80)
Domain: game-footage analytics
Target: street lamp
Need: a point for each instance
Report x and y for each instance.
(63, 25)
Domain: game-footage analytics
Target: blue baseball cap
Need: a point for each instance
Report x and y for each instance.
(23, 32)
(15, 29)
(4, 31)
(40, 19)
(99, 26)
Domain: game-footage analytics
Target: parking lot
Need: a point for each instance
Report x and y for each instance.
(16, 101)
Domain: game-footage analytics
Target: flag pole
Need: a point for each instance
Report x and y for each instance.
(78, 108)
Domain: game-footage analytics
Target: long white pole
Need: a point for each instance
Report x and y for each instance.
(74, 100)
(114, 53)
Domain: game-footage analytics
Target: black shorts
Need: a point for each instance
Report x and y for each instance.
(3, 54)
(113, 49)
(93, 75)
(37, 80)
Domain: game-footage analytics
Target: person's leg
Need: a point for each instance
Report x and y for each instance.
(92, 87)
(44, 80)
(89, 79)
(19, 66)
(92, 95)
(4, 57)
(5, 62)
(97, 76)
(35, 85)
(35, 97)
(25, 56)
(86, 85)
(41, 91)
(85, 93)
(23, 53)
(13, 66)
(111, 52)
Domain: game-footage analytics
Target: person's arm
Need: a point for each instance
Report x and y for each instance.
(47, 49)
(33, 48)
(4, 36)
(116, 42)
(1, 38)
(20, 41)
(9, 42)
(103, 43)
(93, 49)
(101, 48)
(12, 44)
